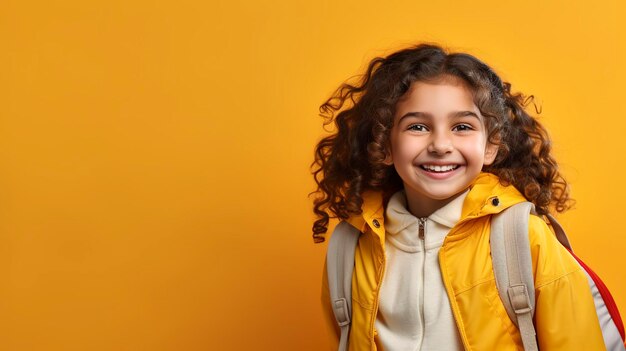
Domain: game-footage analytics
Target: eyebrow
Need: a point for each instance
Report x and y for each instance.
(455, 114)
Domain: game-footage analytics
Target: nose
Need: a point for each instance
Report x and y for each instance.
(440, 143)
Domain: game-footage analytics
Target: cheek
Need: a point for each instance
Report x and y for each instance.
(405, 148)
(474, 149)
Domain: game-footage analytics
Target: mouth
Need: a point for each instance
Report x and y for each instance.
(439, 168)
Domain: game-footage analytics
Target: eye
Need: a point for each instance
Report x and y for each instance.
(462, 127)
(417, 128)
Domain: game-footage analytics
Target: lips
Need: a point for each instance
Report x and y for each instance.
(439, 168)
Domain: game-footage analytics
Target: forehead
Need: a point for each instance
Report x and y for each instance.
(443, 95)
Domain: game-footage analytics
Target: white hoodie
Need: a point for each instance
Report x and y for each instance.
(414, 310)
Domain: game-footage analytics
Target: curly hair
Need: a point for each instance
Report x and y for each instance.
(351, 160)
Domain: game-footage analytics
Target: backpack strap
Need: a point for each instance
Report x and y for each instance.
(512, 266)
(339, 267)
(560, 233)
(511, 226)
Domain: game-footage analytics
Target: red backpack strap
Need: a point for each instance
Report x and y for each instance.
(606, 296)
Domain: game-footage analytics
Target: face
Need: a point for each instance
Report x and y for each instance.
(438, 144)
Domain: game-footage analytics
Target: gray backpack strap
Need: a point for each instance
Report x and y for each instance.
(339, 267)
(512, 266)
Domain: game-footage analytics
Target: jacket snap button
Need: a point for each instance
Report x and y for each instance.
(495, 201)
(375, 223)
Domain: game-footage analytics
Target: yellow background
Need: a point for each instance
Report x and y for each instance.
(154, 155)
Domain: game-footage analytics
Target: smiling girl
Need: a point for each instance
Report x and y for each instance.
(428, 146)
(438, 143)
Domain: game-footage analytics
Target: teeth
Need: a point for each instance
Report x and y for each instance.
(439, 168)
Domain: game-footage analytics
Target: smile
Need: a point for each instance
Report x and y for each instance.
(439, 169)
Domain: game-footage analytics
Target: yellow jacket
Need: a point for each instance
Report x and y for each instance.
(565, 315)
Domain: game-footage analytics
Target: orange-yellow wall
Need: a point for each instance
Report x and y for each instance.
(154, 155)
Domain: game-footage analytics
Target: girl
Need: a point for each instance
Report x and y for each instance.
(428, 146)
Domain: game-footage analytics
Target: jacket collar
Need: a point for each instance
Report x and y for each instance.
(486, 196)
(398, 217)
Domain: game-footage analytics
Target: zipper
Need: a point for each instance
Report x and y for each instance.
(422, 224)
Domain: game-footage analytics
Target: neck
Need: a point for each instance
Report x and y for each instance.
(421, 206)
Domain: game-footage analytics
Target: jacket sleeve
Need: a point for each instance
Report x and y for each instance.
(332, 328)
(565, 315)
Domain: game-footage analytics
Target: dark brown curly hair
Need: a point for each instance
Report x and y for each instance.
(351, 160)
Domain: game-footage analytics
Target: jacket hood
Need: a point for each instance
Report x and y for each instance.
(486, 196)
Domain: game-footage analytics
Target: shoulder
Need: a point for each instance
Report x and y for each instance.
(565, 315)
(551, 260)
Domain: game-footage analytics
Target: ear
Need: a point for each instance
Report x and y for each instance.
(388, 158)
(491, 151)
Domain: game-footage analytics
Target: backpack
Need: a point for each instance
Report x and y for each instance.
(512, 265)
